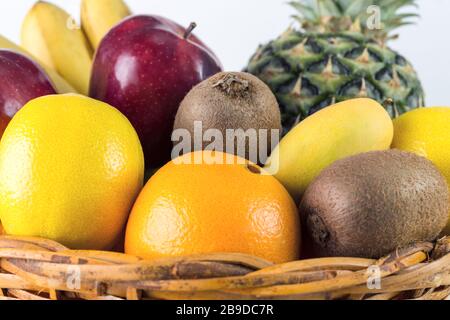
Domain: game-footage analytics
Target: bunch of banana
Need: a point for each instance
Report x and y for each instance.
(51, 35)
(61, 85)
(99, 16)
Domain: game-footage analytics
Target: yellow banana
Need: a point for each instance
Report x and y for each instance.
(99, 16)
(50, 34)
(60, 84)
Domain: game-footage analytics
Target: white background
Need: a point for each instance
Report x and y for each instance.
(234, 28)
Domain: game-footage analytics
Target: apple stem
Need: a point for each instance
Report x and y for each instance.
(189, 30)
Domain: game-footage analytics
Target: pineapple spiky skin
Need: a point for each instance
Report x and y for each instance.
(310, 71)
(339, 53)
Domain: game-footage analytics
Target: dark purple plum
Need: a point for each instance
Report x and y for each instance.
(22, 80)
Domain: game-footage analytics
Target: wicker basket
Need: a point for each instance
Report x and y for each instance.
(40, 269)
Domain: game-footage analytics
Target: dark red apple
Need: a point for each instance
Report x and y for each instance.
(145, 66)
(21, 80)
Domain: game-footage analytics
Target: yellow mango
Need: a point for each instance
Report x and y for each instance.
(339, 131)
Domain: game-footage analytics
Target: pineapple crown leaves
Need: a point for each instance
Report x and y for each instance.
(373, 18)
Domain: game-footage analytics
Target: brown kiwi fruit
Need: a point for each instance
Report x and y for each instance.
(371, 204)
(232, 100)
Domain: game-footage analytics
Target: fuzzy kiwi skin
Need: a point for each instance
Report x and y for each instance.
(373, 203)
(246, 103)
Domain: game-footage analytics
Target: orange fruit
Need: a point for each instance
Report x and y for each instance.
(188, 208)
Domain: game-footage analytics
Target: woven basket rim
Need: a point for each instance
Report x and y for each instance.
(41, 269)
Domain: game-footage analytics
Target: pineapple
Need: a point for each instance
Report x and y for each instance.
(339, 53)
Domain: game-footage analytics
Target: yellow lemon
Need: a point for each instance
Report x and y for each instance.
(426, 132)
(70, 170)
